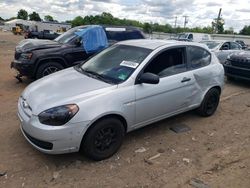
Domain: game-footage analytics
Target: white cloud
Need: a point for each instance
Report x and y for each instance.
(200, 13)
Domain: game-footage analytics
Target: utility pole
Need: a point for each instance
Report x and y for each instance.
(218, 19)
(175, 23)
(185, 21)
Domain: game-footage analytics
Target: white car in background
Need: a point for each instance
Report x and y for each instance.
(129, 85)
(222, 49)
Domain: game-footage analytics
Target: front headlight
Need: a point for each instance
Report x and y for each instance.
(58, 115)
(26, 55)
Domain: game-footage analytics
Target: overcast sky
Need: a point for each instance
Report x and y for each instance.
(199, 12)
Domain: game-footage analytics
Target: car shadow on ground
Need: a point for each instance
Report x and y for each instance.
(238, 82)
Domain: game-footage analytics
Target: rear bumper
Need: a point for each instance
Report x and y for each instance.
(24, 69)
(237, 72)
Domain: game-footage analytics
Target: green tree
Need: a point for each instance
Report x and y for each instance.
(218, 25)
(1, 19)
(34, 16)
(245, 30)
(48, 18)
(9, 19)
(77, 21)
(147, 28)
(22, 14)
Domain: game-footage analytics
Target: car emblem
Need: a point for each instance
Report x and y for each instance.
(25, 104)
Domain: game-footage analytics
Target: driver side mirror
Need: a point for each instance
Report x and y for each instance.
(149, 78)
(78, 41)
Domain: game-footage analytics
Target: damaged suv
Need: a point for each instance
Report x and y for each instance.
(237, 65)
(38, 58)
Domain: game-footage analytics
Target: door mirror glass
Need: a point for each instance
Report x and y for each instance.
(78, 41)
(149, 78)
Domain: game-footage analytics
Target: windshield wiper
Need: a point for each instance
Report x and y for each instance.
(96, 75)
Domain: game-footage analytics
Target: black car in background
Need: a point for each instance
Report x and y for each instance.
(238, 66)
(45, 34)
(37, 58)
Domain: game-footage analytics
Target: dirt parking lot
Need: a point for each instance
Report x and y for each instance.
(214, 152)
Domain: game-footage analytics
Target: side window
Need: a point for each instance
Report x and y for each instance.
(225, 46)
(168, 63)
(115, 35)
(190, 36)
(133, 35)
(234, 46)
(198, 57)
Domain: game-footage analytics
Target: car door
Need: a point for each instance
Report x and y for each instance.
(78, 54)
(227, 49)
(171, 94)
(199, 60)
(223, 52)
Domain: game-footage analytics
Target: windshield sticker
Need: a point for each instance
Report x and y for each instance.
(130, 64)
(122, 76)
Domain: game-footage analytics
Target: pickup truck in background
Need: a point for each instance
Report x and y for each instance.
(38, 58)
(45, 34)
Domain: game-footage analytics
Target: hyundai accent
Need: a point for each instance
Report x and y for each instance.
(90, 107)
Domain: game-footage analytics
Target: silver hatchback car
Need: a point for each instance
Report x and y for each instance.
(131, 84)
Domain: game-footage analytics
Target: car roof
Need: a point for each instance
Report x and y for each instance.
(153, 43)
(220, 41)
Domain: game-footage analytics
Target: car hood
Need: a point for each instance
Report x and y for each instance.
(64, 87)
(36, 44)
(241, 55)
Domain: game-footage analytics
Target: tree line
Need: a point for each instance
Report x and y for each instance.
(108, 19)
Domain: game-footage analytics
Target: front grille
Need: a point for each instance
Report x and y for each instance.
(17, 55)
(231, 70)
(241, 63)
(39, 143)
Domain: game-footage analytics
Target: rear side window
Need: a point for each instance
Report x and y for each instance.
(234, 46)
(124, 35)
(133, 35)
(198, 57)
(115, 35)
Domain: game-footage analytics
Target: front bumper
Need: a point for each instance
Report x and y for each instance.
(237, 72)
(51, 139)
(24, 68)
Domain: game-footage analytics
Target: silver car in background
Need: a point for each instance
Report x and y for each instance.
(222, 49)
(129, 85)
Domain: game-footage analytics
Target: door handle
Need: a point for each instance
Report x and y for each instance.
(185, 79)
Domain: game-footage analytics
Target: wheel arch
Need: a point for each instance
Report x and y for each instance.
(111, 115)
(50, 59)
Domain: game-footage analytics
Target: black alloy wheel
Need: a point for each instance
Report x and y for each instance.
(209, 103)
(47, 69)
(103, 139)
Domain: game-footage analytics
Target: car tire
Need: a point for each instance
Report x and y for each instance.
(103, 139)
(209, 103)
(48, 68)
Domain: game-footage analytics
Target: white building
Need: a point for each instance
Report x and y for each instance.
(36, 26)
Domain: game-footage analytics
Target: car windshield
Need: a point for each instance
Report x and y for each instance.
(115, 64)
(183, 36)
(211, 44)
(68, 36)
